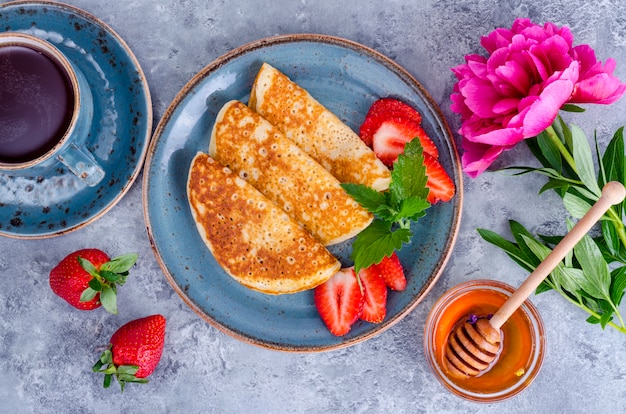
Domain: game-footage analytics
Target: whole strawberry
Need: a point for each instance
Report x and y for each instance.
(134, 352)
(87, 279)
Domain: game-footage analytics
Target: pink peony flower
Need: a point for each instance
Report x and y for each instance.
(517, 91)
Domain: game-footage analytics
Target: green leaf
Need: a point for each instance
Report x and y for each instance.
(613, 158)
(584, 160)
(375, 242)
(108, 298)
(572, 280)
(111, 276)
(618, 285)
(88, 294)
(408, 177)
(88, 266)
(543, 287)
(511, 249)
(128, 369)
(611, 238)
(121, 263)
(550, 151)
(572, 108)
(555, 184)
(412, 208)
(575, 205)
(520, 234)
(95, 285)
(368, 198)
(596, 270)
(565, 134)
(107, 381)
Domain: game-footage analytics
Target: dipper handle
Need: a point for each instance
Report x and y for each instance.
(612, 193)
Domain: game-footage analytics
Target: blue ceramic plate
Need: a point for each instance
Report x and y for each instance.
(347, 78)
(36, 203)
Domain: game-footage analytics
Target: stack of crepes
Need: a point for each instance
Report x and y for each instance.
(267, 197)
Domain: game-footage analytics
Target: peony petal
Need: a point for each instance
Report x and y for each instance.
(499, 137)
(599, 89)
(504, 106)
(480, 97)
(545, 109)
(477, 158)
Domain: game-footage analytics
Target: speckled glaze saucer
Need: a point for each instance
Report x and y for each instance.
(39, 203)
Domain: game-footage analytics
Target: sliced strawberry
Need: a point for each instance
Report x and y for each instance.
(393, 133)
(391, 271)
(375, 290)
(339, 301)
(396, 107)
(439, 182)
(393, 123)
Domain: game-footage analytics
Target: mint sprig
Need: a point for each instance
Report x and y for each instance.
(394, 209)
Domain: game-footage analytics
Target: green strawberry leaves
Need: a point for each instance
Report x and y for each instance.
(106, 279)
(123, 373)
(394, 209)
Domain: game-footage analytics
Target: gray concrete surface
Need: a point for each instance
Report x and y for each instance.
(47, 348)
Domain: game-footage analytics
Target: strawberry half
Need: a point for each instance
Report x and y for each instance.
(393, 133)
(339, 301)
(391, 271)
(375, 292)
(389, 125)
(87, 278)
(439, 182)
(134, 352)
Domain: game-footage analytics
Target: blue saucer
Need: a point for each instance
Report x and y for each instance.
(37, 203)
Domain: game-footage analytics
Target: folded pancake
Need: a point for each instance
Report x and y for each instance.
(316, 130)
(255, 241)
(250, 145)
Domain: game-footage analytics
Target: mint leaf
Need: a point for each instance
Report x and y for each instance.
(375, 242)
(368, 198)
(408, 177)
(412, 208)
(403, 202)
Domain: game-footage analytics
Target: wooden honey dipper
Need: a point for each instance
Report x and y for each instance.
(472, 347)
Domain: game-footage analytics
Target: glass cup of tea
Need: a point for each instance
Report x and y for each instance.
(46, 109)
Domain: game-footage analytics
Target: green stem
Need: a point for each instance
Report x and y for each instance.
(621, 329)
(554, 138)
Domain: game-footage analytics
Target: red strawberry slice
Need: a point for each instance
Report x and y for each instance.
(391, 271)
(439, 182)
(393, 133)
(339, 301)
(393, 123)
(375, 291)
(397, 108)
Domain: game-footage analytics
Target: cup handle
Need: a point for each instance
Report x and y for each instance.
(82, 164)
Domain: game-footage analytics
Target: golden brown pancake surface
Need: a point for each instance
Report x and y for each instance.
(250, 145)
(254, 240)
(316, 130)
